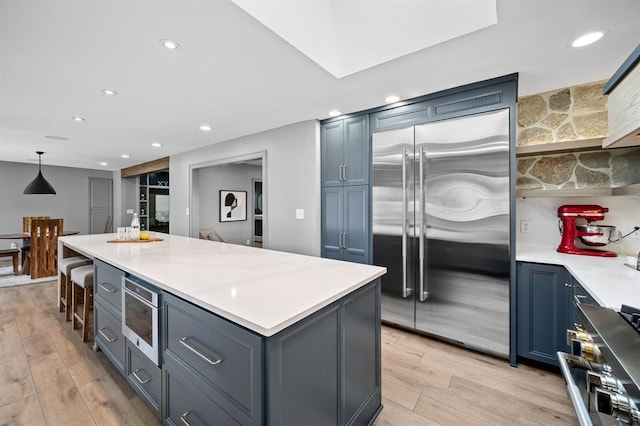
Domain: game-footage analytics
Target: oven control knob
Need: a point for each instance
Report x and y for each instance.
(602, 380)
(615, 404)
(587, 350)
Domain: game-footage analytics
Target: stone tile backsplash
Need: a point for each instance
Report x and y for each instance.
(571, 114)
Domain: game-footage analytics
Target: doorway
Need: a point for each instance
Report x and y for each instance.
(100, 205)
(239, 175)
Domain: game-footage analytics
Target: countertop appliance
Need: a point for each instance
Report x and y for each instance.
(440, 216)
(603, 371)
(141, 315)
(576, 224)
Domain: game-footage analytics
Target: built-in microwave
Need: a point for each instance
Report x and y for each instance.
(140, 316)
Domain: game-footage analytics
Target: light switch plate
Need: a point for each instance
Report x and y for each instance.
(299, 213)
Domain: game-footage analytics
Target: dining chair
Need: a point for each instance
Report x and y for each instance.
(44, 244)
(26, 242)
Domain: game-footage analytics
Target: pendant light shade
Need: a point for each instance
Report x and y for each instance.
(39, 185)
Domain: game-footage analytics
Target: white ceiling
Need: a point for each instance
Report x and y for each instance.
(235, 74)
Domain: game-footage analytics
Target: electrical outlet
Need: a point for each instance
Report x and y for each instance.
(525, 226)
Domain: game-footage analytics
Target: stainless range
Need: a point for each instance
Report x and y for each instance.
(603, 370)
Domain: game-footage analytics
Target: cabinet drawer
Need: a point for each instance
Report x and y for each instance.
(145, 377)
(187, 404)
(109, 336)
(108, 284)
(225, 356)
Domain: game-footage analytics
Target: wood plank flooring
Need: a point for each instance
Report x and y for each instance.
(49, 377)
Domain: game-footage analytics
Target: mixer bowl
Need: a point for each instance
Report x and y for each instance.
(606, 234)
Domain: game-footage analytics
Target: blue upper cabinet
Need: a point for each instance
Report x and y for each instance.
(345, 152)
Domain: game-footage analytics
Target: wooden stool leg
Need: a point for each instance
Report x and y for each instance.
(85, 313)
(62, 304)
(15, 263)
(74, 304)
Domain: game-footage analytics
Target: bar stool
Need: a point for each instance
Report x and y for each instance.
(65, 266)
(82, 277)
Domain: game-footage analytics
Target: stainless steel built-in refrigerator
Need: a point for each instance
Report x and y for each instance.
(440, 214)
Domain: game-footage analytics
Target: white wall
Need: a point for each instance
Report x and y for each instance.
(543, 216)
(71, 201)
(292, 181)
(237, 177)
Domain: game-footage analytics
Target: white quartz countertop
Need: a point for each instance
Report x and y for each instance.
(262, 290)
(608, 280)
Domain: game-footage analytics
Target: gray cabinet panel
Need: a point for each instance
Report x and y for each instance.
(188, 404)
(109, 336)
(303, 384)
(145, 377)
(108, 284)
(233, 356)
(361, 366)
(543, 297)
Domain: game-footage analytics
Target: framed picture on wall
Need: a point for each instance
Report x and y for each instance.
(233, 205)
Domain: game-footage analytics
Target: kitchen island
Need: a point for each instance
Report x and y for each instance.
(298, 336)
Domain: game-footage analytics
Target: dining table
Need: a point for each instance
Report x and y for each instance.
(27, 235)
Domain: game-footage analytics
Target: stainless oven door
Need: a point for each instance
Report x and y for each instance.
(140, 318)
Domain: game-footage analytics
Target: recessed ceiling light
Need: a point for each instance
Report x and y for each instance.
(588, 38)
(77, 119)
(205, 128)
(125, 156)
(392, 99)
(57, 138)
(169, 44)
(104, 163)
(156, 144)
(109, 92)
(334, 113)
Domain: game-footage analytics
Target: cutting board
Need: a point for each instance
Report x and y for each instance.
(150, 240)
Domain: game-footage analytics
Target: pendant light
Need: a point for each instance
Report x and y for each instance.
(39, 185)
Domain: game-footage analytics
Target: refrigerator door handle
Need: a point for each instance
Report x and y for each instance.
(406, 291)
(424, 293)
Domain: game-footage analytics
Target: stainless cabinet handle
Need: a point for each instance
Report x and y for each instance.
(577, 298)
(344, 240)
(107, 289)
(340, 173)
(344, 172)
(183, 417)
(406, 291)
(424, 293)
(135, 374)
(568, 285)
(341, 240)
(184, 343)
(107, 338)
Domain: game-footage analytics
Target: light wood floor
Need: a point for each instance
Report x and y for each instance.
(49, 377)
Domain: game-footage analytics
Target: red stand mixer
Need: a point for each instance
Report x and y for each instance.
(576, 224)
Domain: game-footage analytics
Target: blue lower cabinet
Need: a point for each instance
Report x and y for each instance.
(323, 370)
(544, 311)
(145, 377)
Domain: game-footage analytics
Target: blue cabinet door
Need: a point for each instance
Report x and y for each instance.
(356, 229)
(357, 161)
(332, 222)
(543, 297)
(345, 152)
(345, 223)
